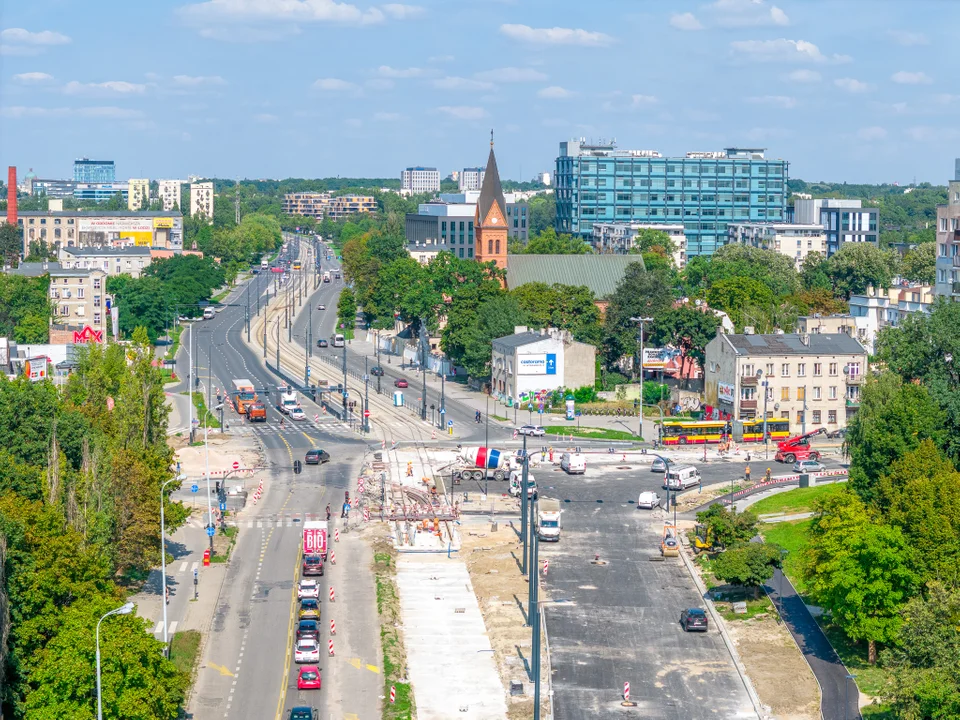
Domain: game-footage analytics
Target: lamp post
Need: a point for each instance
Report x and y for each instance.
(783, 556)
(206, 456)
(443, 397)
(523, 508)
(763, 384)
(486, 439)
(641, 321)
(846, 696)
(423, 367)
(124, 609)
(366, 397)
(163, 558)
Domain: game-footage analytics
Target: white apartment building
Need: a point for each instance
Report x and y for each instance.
(471, 179)
(879, 309)
(843, 221)
(80, 307)
(170, 194)
(138, 193)
(618, 237)
(948, 243)
(113, 261)
(420, 180)
(795, 240)
(201, 199)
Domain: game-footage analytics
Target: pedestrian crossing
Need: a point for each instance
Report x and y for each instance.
(247, 429)
(171, 628)
(264, 521)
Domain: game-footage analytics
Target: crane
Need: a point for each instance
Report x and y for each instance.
(798, 447)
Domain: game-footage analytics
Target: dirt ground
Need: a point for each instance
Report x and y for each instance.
(779, 674)
(225, 449)
(492, 560)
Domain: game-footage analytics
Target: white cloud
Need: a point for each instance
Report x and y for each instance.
(685, 21)
(946, 98)
(911, 78)
(555, 36)
(333, 85)
(463, 112)
(851, 85)
(780, 101)
(747, 13)
(907, 38)
(761, 134)
(390, 72)
(33, 77)
(872, 133)
(266, 118)
(511, 74)
(461, 83)
(258, 11)
(111, 86)
(922, 133)
(554, 92)
(803, 76)
(402, 12)
(105, 112)
(783, 50)
(19, 41)
(198, 80)
(387, 116)
(639, 100)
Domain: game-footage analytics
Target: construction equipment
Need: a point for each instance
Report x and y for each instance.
(670, 542)
(703, 541)
(798, 447)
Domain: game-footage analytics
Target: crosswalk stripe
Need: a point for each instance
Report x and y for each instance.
(183, 566)
(194, 566)
(159, 628)
(172, 628)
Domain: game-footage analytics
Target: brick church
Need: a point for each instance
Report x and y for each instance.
(490, 218)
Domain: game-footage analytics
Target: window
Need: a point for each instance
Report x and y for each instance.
(96, 283)
(769, 369)
(96, 318)
(801, 393)
(817, 369)
(799, 417)
(816, 417)
(784, 393)
(490, 247)
(832, 417)
(816, 393)
(833, 392)
(498, 247)
(853, 369)
(784, 414)
(943, 224)
(801, 369)
(785, 370)
(833, 369)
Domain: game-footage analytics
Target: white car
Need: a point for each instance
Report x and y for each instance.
(648, 500)
(298, 414)
(658, 465)
(321, 307)
(308, 589)
(532, 430)
(307, 651)
(808, 466)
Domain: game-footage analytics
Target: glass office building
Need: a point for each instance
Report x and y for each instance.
(705, 191)
(94, 171)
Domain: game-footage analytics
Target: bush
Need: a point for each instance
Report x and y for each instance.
(612, 379)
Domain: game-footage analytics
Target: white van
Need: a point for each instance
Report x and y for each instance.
(573, 463)
(338, 340)
(680, 477)
(209, 313)
(648, 500)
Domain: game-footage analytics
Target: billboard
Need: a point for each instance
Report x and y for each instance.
(657, 358)
(725, 392)
(140, 239)
(115, 224)
(35, 368)
(87, 335)
(537, 364)
(163, 222)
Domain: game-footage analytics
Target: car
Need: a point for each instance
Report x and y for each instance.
(303, 713)
(321, 307)
(401, 383)
(376, 371)
(322, 343)
(297, 414)
(308, 589)
(316, 457)
(658, 465)
(308, 678)
(532, 430)
(308, 629)
(648, 500)
(309, 609)
(306, 651)
(837, 434)
(255, 271)
(808, 466)
(693, 619)
(312, 565)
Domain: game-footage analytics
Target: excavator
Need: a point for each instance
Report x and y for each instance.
(703, 541)
(798, 447)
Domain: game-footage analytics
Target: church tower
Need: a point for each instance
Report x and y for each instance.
(490, 218)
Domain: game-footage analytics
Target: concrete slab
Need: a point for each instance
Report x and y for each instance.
(450, 659)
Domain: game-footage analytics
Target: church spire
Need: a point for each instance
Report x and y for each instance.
(491, 138)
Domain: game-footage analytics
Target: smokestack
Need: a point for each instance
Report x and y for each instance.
(12, 195)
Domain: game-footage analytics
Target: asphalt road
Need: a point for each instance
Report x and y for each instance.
(248, 668)
(618, 622)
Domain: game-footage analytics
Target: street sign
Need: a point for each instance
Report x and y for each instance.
(223, 507)
(449, 423)
(210, 531)
(308, 371)
(194, 487)
(236, 465)
(443, 411)
(366, 413)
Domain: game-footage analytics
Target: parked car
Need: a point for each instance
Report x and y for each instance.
(308, 678)
(303, 713)
(693, 619)
(308, 589)
(837, 434)
(658, 465)
(532, 430)
(401, 383)
(322, 343)
(307, 651)
(648, 500)
(376, 371)
(316, 457)
(808, 466)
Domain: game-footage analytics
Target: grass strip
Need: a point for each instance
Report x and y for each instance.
(795, 501)
(391, 641)
(590, 433)
(185, 651)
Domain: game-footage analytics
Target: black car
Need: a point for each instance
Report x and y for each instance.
(694, 619)
(308, 629)
(303, 713)
(322, 343)
(837, 434)
(376, 371)
(312, 565)
(316, 457)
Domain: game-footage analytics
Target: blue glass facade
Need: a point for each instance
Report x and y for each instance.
(703, 191)
(94, 171)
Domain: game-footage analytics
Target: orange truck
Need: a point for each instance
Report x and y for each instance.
(256, 412)
(244, 395)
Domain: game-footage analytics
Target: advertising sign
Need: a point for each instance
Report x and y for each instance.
(657, 358)
(35, 368)
(115, 224)
(87, 335)
(140, 239)
(314, 541)
(570, 407)
(537, 364)
(162, 222)
(725, 392)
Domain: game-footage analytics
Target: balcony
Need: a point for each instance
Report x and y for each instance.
(854, 379)
(748, 405)
(749, 380)
(956, 260)
(853, 402)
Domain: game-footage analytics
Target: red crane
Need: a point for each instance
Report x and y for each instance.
(798, 448)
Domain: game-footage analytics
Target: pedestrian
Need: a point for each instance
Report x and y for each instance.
(328, 512)
(746, 473)
(768, 475)
(343, 510)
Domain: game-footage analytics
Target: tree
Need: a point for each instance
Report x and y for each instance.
(818, 300)
(550, 243)
(638, 294)
(728, 528)
(690, 329)
(11, 243)
(468, 336)
(920, 264)
(734, 295)
(346, 309)
(855, 266)
(814, 273)
(144, 302)
(859, 569)
(748, 564)
(24, 301)
(561, 306)
(542, 213)
(776, 271)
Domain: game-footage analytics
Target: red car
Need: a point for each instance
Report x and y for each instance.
(308, 678)
(401, 383)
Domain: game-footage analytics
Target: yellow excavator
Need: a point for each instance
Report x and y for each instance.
(703, 540)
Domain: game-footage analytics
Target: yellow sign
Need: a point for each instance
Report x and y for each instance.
(140, 239)
(162, 222)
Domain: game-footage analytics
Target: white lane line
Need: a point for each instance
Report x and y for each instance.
(173, 627)
(194, 566)
(183, 566)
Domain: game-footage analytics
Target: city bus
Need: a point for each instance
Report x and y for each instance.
(244, 394)
(699, 432)
(296, 265)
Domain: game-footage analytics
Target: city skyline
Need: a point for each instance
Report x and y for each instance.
(316, 88)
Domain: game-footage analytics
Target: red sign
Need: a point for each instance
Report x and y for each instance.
(314, 541)
(88, 334)
(366, 413)
(236, 465)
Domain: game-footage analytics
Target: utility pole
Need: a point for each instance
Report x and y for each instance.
(206, 455)
(423, 367)
(190, 385)
(523, 510)
(534, 611)
(378, 363)
(345, 393)
(278, 344)
(641, 320)
(366, 397)
(308, 335)
(443, 407)
(236, 203)
(265, 320)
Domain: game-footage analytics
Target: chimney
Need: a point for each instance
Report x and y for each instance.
(805, 339)
(12, 195)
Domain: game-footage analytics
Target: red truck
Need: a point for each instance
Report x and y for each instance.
(315, 538)
(798, 448)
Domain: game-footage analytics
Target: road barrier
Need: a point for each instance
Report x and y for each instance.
(333, 558)
(333, 628)
(546, 567)
(330, 647)
(336, 534)
(331, 595)
(393, 694)
(366, 515)
(626, 690)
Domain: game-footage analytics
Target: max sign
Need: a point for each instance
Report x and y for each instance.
(87, 335)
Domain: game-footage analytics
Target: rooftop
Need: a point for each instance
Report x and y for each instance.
(521, 339)
(100, 213)
(599, 273)
(74, 272)
(793, 344)
(34, 269)
(106, 251)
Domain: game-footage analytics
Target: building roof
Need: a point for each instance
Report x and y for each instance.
(491, 191)
(100, 213)
(106, 251)
(599, 273)
(35, 269)
(74, 272)
(792, 344)
(520, 339)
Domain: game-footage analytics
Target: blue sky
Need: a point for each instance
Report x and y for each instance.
(855, 90)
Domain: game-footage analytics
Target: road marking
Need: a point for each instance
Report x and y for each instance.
(373, 669)
(159, 628)
(223, 669)
(355, 662)
(194, 566)
(173, 628)
(281, 701)
(183, 566)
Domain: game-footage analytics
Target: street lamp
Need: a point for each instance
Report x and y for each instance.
(163, 558)
(641, 320)
(124, 609)
(846, 696)
(763, 384)
(783, 556)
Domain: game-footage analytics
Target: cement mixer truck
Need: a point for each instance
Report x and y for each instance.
(480, 463)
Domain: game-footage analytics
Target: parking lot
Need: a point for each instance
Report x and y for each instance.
(615, 623)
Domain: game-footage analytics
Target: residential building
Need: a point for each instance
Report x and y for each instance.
(705, 191)
(94, 171)
(113, 261)
(794, 240)
(321, 205)
(598, 273)
(102, 228)
(948, 242)
(138, 193)
(826, 325)
(471, 179)
(201, 200)
(620, 237)
(343, 206)
(811, 379)
(420, 180)
(532, 362)
(171, 193)
(878, 309)
(80, 312)
(843, 221)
